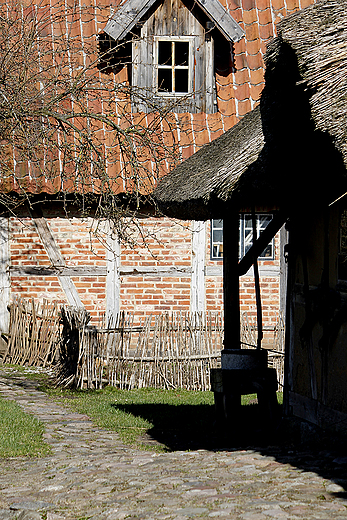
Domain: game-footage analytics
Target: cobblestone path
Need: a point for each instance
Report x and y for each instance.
(91, 474)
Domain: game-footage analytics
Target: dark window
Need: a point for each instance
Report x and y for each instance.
(173, 67)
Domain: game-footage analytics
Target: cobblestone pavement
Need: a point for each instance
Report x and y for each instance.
(91, 474)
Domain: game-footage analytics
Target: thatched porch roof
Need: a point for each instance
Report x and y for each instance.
(294, 146)
(211, 173)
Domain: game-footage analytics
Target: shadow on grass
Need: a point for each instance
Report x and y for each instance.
(191, 427)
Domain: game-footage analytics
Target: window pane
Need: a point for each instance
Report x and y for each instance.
(181, 80)
(217, 251)
(263, 221)
(164, 53)
(217, 224)
(248, 222)
(245, 236)
(164, 80)
(182, 53)
(248, 240)
(267, 253)
(217, 235)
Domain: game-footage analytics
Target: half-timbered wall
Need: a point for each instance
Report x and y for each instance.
(56, 258)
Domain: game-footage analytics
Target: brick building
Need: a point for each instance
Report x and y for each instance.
(178, 267)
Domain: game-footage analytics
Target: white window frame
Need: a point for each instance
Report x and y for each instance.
(216, 244)
(188, 39)
(242, 236)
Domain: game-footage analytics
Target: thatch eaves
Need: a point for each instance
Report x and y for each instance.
(213, 173)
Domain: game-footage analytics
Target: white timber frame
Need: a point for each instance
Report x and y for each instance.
(112, 278)
(57, 260)
(5, 281)
(197, 292)
(173, 66)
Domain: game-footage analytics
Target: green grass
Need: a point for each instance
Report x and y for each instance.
(20, 433)
(132, 413)
(175, 419)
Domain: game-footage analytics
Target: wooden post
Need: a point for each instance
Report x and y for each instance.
(231, 280)
(257, 285)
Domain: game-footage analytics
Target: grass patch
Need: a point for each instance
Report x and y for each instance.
(20, 433)
(133, 413)
(148, 418)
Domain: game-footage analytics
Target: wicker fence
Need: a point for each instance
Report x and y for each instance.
(171, 350)
(34, 333)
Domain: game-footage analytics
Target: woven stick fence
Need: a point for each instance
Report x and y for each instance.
(33, 333)
(166, 351)
(172, 350)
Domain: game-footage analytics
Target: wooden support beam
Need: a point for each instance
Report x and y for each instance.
(258, 247)
(112, 279)
(231, 280)
(257, 286)
(94, 270)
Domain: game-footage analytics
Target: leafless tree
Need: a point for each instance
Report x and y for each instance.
(66, 125)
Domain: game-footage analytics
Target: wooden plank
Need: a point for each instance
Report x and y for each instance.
(5, 282)
(214, 270)
(87, 270)
(127, 16)
(78, 270)
(197, 291)
(209, 76)
(223, 20)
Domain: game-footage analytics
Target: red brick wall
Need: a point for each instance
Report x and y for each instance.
(168, 244)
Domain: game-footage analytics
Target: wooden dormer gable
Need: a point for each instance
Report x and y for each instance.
(132, 11)
(173, 46)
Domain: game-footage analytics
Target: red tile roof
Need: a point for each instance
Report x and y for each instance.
(70, 38)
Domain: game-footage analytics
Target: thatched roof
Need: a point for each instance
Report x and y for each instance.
(213, 171)
(295, 145)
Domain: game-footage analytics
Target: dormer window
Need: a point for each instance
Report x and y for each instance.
(172, 71)
(172, 60)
